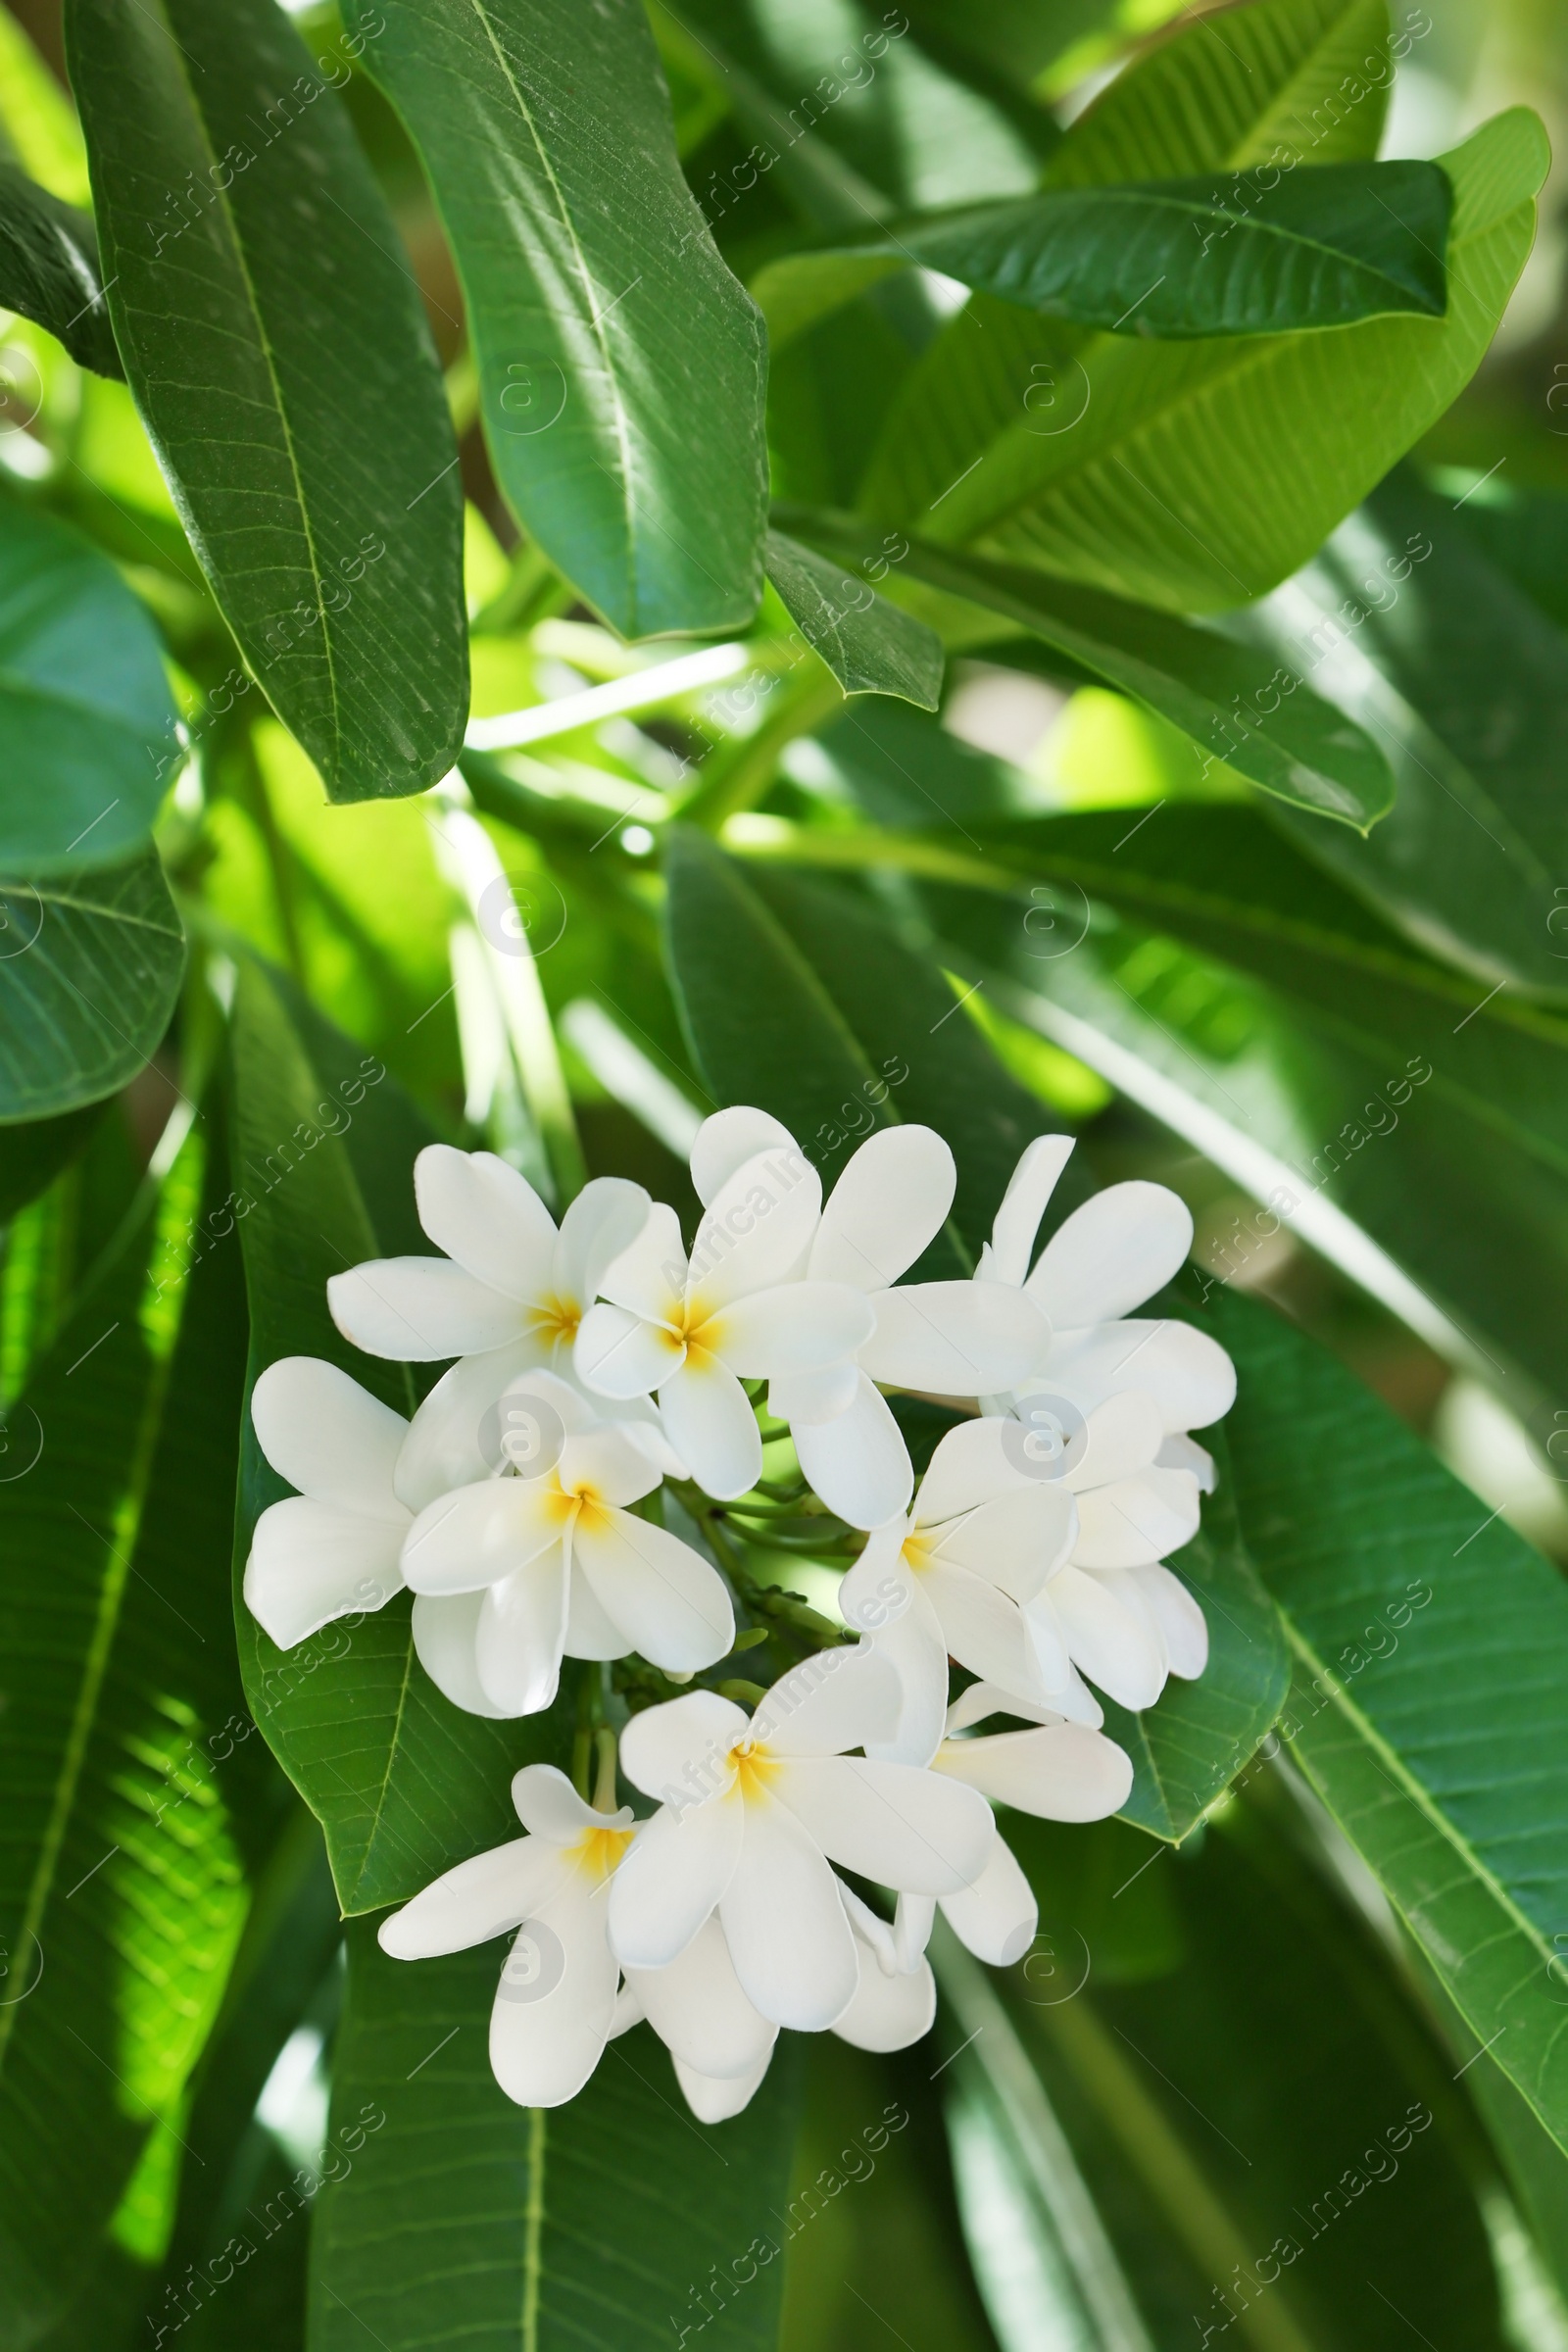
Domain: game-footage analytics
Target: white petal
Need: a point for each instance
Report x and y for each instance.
(710, 1422)
(983, 1629)
(417, 1311)
(484, 1897)
(997, 1916)
(544, 2044)
(618, 1355)
(889, 1821)
(446, 1627)
(605, 1467)
(674, 1752)
(668, 1601)
(727, 1141)
(487, 1218)
(1181, 1622)
(880, 1585)
(604, 1220)
(960, 1338)
(1076, 1702)
(888, 2012)
(790, 1943)
(678, 1867)
(549, 1807)
(917, 1649)
(796, 1326)
(1111, 1647)
(1014, 1542)
(649, 1277)
(912, 1922)
(698, 2010)
(1179, 1453)
(837, 1699)
(1121, 1437)
(971, 1462)
(470, 1539)
(754, 1231)
(1111, 1255)
(329, 1436)
(1062, 1772)
(589, 1634)
(872, 1931)
(1138, 1519)
(521, 1635)
(309, 1563)
(1023, 1204)
(628, 2011)
(713, 2099)
(858, 1463)
(452, 1438)
(888, 1205)
(813, 1396)
(1189, 1375)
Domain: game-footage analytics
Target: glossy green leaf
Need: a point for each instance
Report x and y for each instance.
(457, 2218)
(49, 269)
(1196, 477)
(83, 700)
(275, 344)
(32, 1155)
(1430, 1704)
(129, 1792)
(621, 366)
(1294, 743)
(868, 643)
(404, 1784)
(91, 967)
(1339, 243)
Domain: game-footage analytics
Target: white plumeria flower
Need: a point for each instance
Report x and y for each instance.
(1060, 1772)
(695, 1330)
(555, 2000)
(754, 1811)
(952, 1339)
(509, 1280)
(335, 1547)
(513, 1573)
(1103, 1261)
(951, 1580)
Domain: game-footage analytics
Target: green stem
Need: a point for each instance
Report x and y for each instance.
(737, 776)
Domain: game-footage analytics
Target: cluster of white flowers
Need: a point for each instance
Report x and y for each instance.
(595, 1361)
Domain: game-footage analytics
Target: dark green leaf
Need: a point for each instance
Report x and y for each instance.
(868, 643)
(462, 2220)
(49, 269)
(404, 1782)
(276, 343)
(91, 967)
(88, 717)
(621, 366)
(32, 1156)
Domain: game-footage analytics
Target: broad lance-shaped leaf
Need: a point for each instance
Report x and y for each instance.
(1196, 476)
(621, 368)
(867, 642)
(1430, 1708)
(404, 1784)
(90, 966)
(1261, 255)
(84, 705)
(455, 2217)
(49, 271)
(274, 340)
(1260, 717)
(134, 1802)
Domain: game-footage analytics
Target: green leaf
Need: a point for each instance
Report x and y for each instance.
(404, 1784)
(868, 643)
(1429, 1706)
(83, 700)
(131, 1802)
(90, 966)
(1198, 478)
(1304, 751)
(32, 1156)
(1188, 1747)
(1339, 243)
(460, 2219)
(621, 368)
(49, 269)
(276, 343)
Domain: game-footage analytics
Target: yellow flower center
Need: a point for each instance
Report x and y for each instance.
(555, 1319)
(917, 1551)
(752, 1766)
(599, 1851)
